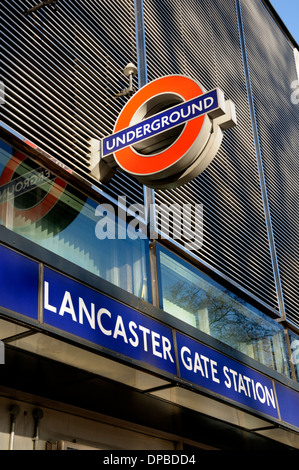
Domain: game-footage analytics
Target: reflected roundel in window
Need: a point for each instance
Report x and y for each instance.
(33, 197)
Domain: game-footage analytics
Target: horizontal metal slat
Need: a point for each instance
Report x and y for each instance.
(272, 69)
(235, 235)
(79, 53)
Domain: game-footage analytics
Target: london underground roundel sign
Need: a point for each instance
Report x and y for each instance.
(169, 131)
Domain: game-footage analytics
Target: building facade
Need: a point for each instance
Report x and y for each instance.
(135, 317)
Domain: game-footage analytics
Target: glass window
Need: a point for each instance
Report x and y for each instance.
(45, 209)
(192, 297)
(294, 341)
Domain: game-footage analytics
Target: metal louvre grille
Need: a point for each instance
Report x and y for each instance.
(61, 70)
(272, 70)
(200, 39)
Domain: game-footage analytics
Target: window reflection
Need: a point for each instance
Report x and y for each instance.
(45, 209)
(192, 297)
(294, 343)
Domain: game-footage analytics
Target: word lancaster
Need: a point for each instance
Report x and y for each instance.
(150, 459)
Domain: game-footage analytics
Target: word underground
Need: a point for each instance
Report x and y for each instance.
(161, 122)
(171, 222)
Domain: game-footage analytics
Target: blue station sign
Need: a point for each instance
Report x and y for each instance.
(113, 327)
(19, 279)
(88, 314)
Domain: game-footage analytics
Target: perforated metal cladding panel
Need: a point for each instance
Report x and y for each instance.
(272, 70)
(61, 71)
(200, 39)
